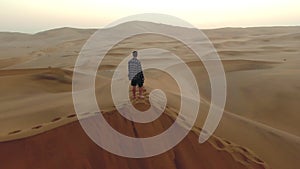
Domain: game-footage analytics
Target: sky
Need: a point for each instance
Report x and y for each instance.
(31, 16)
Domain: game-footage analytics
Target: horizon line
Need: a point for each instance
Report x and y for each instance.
(103, 27)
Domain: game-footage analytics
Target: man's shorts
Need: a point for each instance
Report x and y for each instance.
(138, 80)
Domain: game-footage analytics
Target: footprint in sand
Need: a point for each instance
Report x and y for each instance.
(96, 113)
(219, 144)
(258, 160)
(243, 149)
(255, 159)
(56, 119)
(37, 127)
(14, 132)
(71, 116)
(226, 141)
(84, 114)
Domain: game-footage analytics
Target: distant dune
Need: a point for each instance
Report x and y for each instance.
(259, 129)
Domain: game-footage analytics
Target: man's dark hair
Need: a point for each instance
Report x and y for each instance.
(134, 53)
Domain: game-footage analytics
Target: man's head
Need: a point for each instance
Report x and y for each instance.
(134, 53)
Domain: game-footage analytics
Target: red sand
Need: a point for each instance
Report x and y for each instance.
(69, 147)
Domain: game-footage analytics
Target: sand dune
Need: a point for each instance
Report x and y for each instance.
(83, 153)
(259, 127)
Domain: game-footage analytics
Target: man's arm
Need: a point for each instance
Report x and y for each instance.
(129, 70)
(141, 71)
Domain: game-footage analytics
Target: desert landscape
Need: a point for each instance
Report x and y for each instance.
(260, 128)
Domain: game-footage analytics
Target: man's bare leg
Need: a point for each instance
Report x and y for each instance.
(141, 92)
(133, 91)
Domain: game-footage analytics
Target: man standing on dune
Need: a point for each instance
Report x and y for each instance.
(135, 74)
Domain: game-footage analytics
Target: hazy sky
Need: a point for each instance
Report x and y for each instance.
(37, 15)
